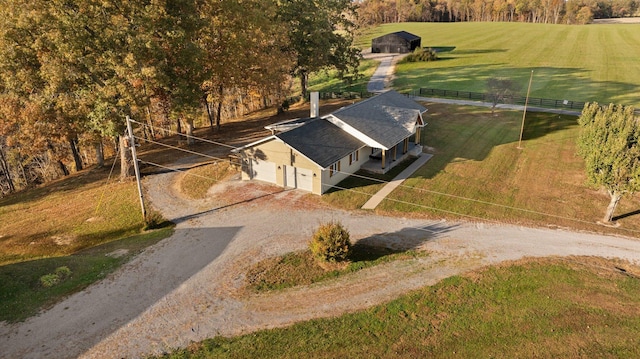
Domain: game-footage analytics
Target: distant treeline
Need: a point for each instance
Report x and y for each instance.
(375, 12)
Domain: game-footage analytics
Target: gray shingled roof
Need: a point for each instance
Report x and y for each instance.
(387, 118)
(321, 141)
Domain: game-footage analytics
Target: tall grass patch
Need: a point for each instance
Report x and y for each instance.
(66, 216)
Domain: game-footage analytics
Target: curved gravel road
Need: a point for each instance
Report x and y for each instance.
(190, 286)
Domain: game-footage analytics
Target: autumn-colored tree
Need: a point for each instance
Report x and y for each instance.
(373, 12)
(87, 63)
(244, 48)
(609, 143)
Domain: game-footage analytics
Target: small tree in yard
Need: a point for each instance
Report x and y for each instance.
(499, 90)
(609, 145)
(330, 242)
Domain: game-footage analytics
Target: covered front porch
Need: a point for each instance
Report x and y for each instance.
(381, 161)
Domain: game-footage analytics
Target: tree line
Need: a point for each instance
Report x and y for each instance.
(71, 70)
(375, 12)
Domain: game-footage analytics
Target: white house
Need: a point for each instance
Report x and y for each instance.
(316, 153)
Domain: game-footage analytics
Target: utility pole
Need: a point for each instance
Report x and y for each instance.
(526, 102)
(132, 145)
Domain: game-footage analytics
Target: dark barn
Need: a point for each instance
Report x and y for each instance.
(397, 42)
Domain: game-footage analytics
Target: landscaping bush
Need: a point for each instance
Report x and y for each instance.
(63, 272)
(330, 242)
(51, 279)
(420, 54)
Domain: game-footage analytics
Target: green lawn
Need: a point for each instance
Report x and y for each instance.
(328, 81)
(65, 216)
(302, 268)
(554, 308)
(478, 173)
(579, 63)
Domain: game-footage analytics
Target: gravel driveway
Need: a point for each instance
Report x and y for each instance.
(190, 286)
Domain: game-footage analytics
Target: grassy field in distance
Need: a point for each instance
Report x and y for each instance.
(572, 62)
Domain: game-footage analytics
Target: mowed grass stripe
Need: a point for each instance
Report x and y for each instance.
(580, 63)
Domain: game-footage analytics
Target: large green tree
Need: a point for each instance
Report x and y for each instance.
(320, 36)
(608, 142)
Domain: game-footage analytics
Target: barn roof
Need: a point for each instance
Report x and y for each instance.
(402, 34)
(407, 36)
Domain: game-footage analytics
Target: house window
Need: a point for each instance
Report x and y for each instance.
(334, 168)
(354, 157)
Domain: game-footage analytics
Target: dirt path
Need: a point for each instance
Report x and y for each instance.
(189, 286)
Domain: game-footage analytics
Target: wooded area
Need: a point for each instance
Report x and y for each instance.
(375, 12)
(71, 70)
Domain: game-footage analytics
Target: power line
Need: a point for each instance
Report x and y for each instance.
(577, 220)
(470, 199)
(184, 135)
(182, 149)
(181, 171)
(217, 180)
(417, 205)
(113, 165)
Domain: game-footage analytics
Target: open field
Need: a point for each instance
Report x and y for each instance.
(474, 136)
(478, 173)
(551, 308)
(579, 63)
(68, 215)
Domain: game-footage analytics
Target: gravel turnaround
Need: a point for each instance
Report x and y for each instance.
(189, 286)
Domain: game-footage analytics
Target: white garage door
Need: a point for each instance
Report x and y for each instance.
(263, 171)
(304, 179)
(299, 178)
